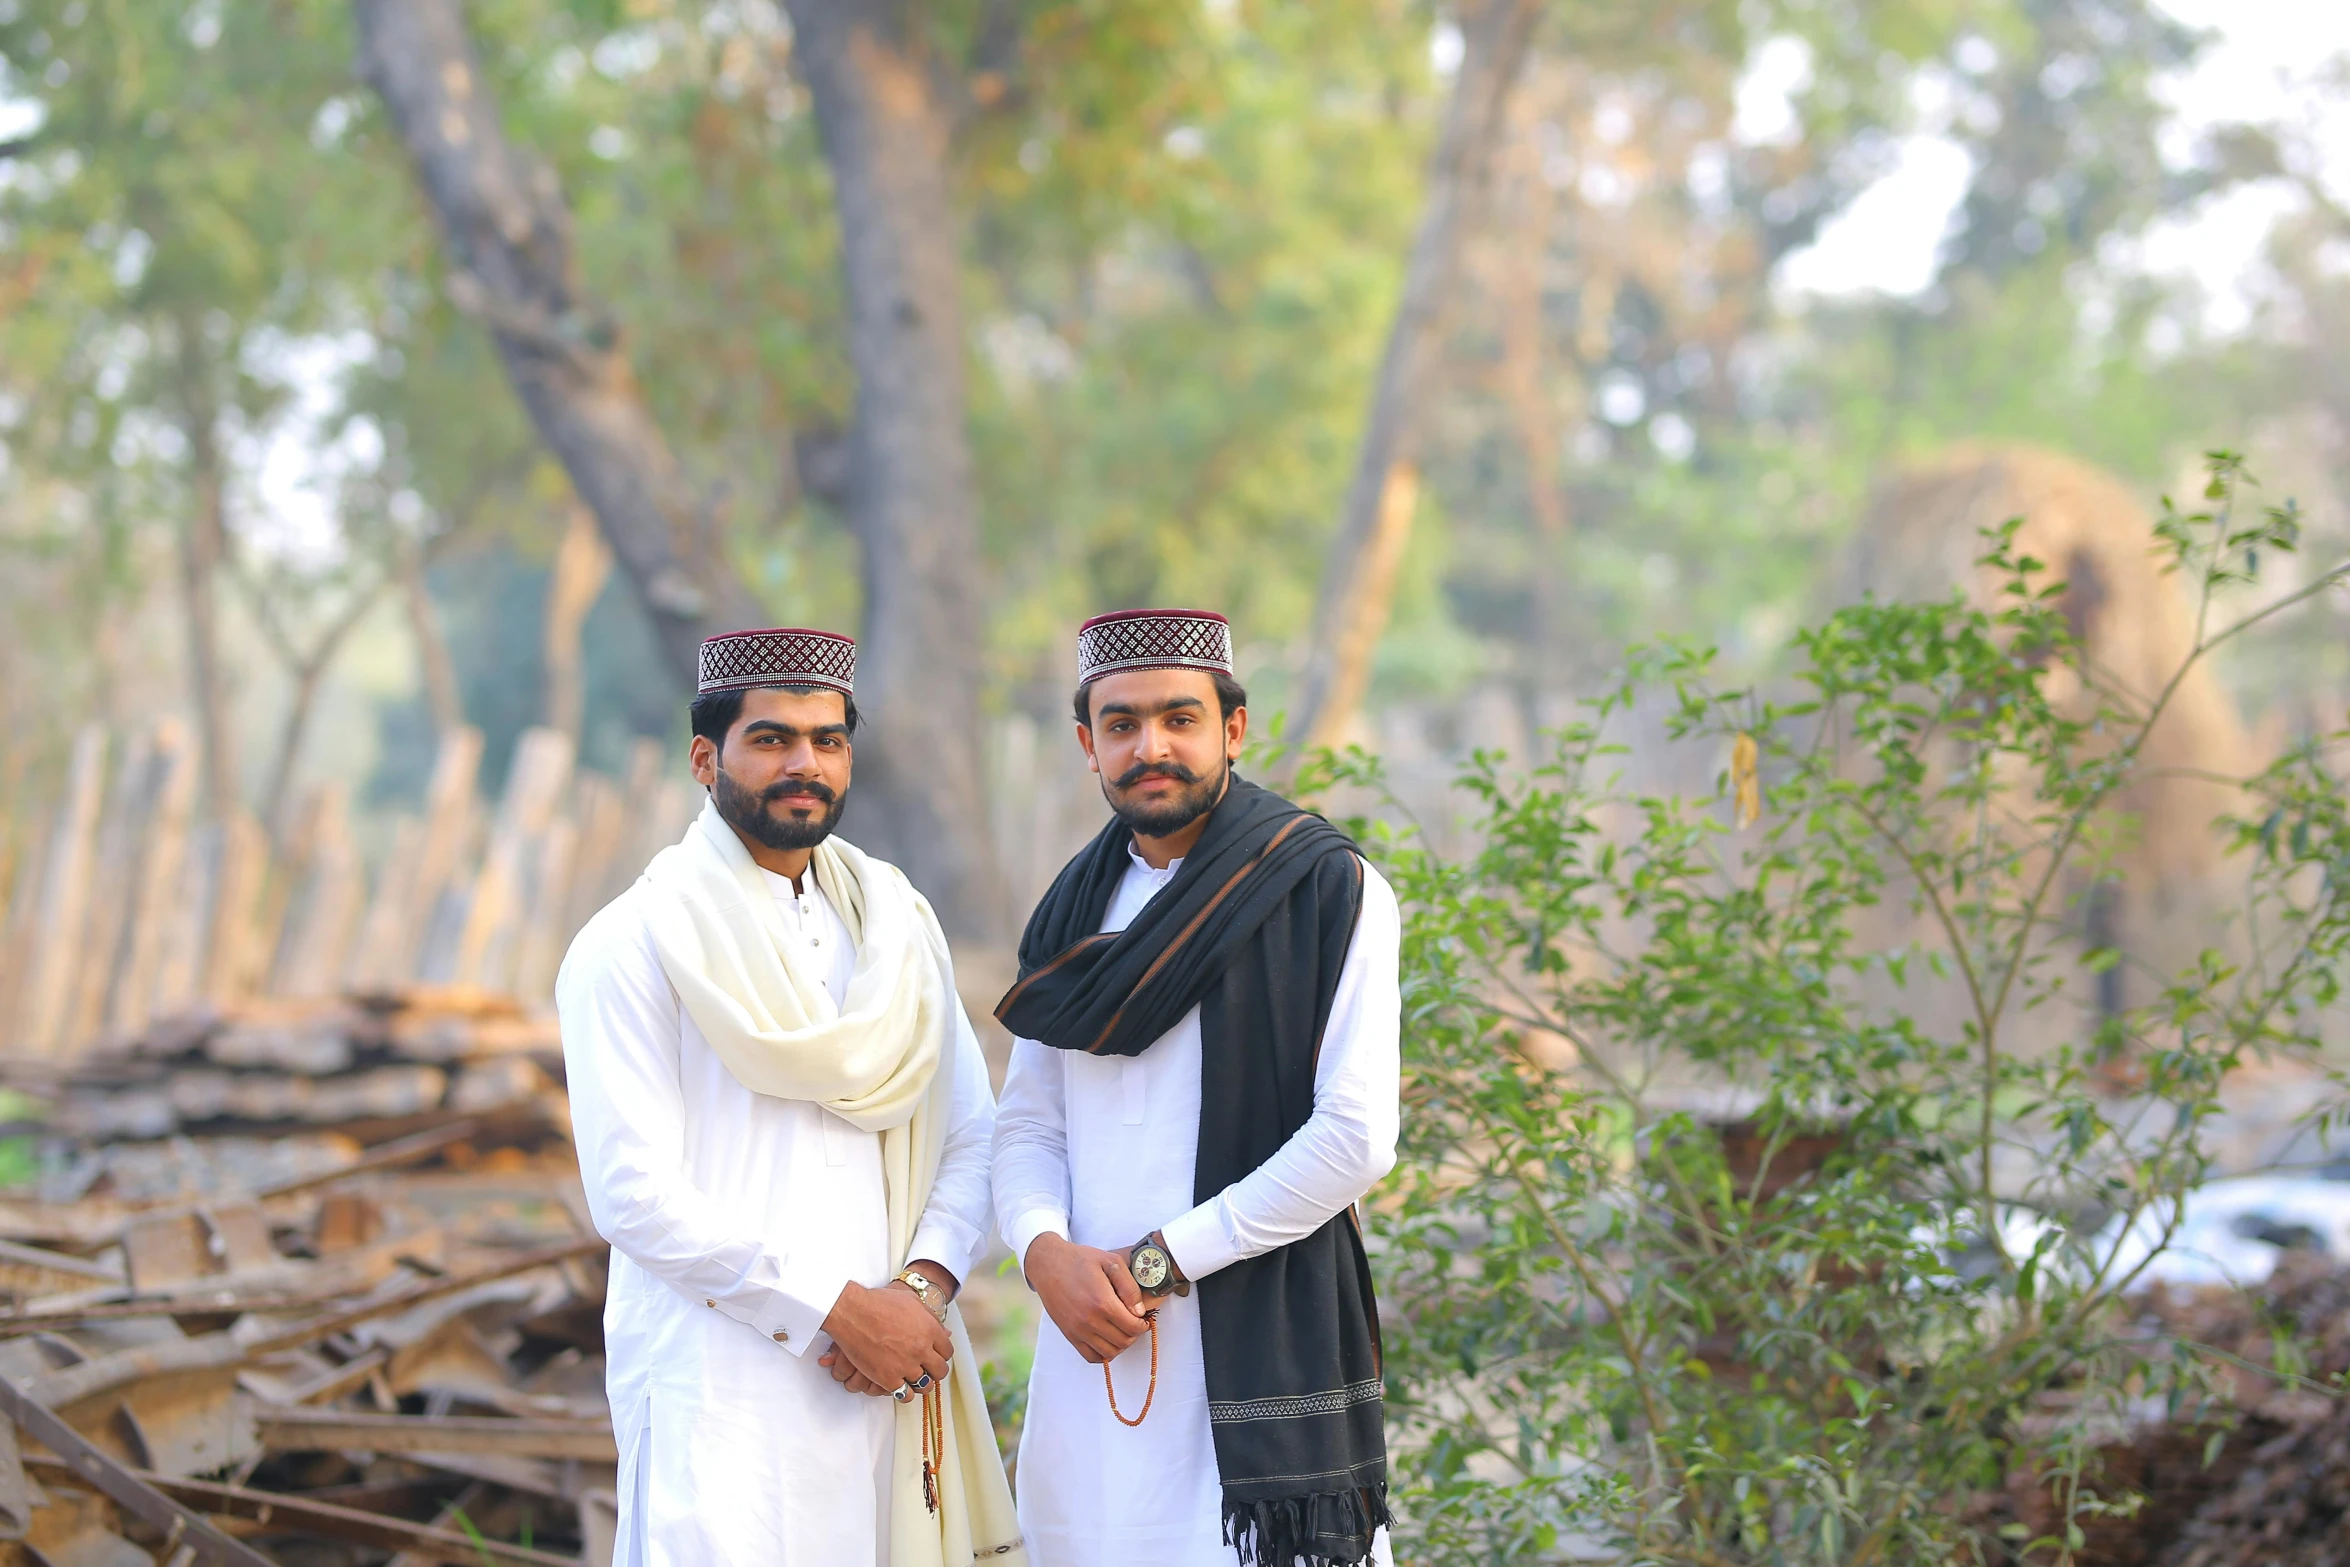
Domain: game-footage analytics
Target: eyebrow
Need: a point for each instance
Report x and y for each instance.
(1130, 710)
(768, 726)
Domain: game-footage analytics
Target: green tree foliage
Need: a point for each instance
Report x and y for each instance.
(1819, 1333)
(1714, 445)
(1183, 228)
(1184, 387)
(183, 248)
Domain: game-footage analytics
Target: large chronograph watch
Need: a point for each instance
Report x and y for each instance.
(1153, 1268)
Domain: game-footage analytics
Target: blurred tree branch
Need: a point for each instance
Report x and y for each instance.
(582, 565)
(438, 669)
(513, 266)
(306, 665)
(202, 550)
(1357, 587)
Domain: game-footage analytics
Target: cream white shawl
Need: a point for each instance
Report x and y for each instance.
(874, 1060)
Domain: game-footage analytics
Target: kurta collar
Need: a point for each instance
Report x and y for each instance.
(780, 885)
(1147, 868)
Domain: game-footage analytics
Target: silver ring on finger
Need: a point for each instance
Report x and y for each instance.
(921, 1383)
(905, 1391)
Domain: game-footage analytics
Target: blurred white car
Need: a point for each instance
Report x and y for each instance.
(2232, 1231)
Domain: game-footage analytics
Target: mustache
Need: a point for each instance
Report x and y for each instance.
(800, 788)
(1141, 770)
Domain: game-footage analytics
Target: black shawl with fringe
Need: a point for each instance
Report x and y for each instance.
(1253, 930)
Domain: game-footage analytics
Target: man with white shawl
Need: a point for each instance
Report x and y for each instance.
(783, 1120)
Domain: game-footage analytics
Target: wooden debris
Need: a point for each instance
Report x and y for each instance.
(282, 1513)
(174, 1248)
(27, 1271)
(303, 1429)
(366, 1358)
(308, 1266)
(430, 1057)
(179, 1525)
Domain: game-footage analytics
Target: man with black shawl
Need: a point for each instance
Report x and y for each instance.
(1203, 1085)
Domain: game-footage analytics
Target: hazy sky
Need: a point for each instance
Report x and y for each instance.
(2267, 65)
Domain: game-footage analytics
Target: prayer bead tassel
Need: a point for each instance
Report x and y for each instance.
(934, 1444)
(1151, 1392)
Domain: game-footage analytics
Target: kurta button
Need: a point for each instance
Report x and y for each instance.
(781, 1337)
(711, 1303)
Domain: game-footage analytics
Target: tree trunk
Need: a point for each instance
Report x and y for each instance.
(582, 564)
(203, 543)
(433, 663)
(1358, 633)
(1495, 35)
(911, 493)
(1522, 387)
(921, 788)
(507, 236)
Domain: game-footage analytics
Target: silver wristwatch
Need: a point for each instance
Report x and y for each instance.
(933, 1298)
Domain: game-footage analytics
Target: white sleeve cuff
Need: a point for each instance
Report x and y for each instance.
(802, 1300)
(949, 1242)
(1198, 1241)
(1030, 1225)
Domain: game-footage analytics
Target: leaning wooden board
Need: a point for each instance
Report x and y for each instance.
(303, 1429)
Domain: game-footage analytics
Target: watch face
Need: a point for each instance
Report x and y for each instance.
(1150, 1267)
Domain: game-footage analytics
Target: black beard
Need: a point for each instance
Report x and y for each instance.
(1158, 818)
(747, 813)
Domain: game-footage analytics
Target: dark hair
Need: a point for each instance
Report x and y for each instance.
(1230, 696)
(714, 712)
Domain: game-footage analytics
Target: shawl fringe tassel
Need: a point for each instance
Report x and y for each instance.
(1301, 1531)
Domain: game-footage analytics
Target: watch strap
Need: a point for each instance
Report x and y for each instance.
(1177, 1283)
(933, 1299)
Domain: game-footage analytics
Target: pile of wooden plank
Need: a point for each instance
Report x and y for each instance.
(118, 907)
(306, 1274)
(369, 1068)
(385, 1359)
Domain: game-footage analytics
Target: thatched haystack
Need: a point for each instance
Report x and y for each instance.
(1922, 534)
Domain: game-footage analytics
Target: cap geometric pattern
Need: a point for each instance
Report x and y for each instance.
(1153, 639)
(780, 656)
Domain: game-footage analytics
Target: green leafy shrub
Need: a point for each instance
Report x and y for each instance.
(1819, 1321)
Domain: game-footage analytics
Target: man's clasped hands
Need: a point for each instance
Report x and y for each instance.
(885, 1340)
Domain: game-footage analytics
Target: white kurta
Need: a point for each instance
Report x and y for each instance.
(735, 1219)
(1101, 1151)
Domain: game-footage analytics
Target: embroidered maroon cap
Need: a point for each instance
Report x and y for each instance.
(1153, 639)
(778, 656)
